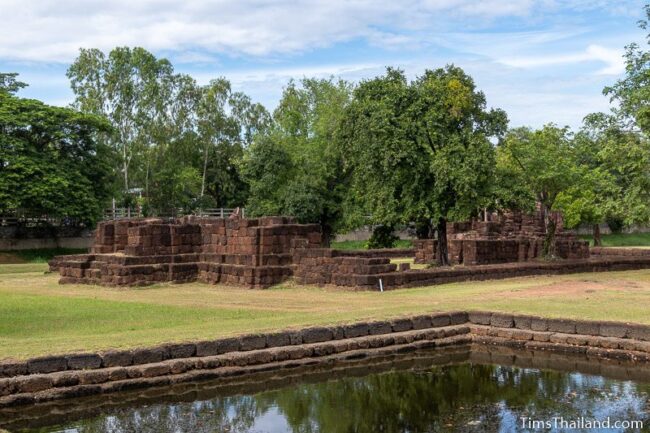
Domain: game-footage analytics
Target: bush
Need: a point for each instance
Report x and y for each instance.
(382, 237)
(615, 225)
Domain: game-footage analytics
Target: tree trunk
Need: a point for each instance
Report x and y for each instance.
(597, 240)
(205, 170)
(549, 240)
(126, 175)
(146, 179)
(443, 254)
(327, 235)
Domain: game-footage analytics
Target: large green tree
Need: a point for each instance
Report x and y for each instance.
(420, 151)
(614, 151)
(545, 162)
(227, 121)
(631, 94)
(296, 168)
(51, 161)
(615, 180)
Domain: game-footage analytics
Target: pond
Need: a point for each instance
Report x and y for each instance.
(456, 390)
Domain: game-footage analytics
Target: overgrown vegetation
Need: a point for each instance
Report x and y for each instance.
(383, 236)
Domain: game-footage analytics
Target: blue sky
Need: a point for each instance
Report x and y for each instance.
(542, 61)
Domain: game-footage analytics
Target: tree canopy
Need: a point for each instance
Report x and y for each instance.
(295, 167)
(180, 142)
(51, 161)
(420, 151)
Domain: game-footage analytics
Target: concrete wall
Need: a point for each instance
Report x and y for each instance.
(13, 238)
(364, 233)
(78, 242)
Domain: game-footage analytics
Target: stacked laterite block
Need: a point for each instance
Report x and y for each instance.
(507, 238)
(568, 247)
(425, 250)
(113, 236)
(255, 253)
(322, 266)
(488, 251)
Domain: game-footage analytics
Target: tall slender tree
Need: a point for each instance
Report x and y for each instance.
(127, 87)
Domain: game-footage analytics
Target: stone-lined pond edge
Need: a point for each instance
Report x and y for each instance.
(51, 378)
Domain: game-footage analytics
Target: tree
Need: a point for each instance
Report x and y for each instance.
(227, 122)
(295, 167)
(631, 94)
(50, 159)
(616, 150)
(421, 151)
(615, 180)
(544, 161)
(168, 128)
(126, 86)
(9, 83)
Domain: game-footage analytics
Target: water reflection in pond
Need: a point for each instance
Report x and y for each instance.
(416, 397)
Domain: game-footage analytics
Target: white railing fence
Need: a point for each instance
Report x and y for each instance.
(30, 219)
(125, 212)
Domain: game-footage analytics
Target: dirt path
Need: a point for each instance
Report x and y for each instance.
(10, 259)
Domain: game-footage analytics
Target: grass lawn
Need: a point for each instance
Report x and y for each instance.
(361, 245)
(42, 255)
(612, 240)
(409, 260)
(623, 240)
(38, 316)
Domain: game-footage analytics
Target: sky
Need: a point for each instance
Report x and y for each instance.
(540, 60)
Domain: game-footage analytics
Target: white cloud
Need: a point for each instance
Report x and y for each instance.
(613, 59)
(513, 49)
(46, 30)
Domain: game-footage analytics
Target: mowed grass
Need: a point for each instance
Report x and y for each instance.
(20, 268)
(623, 240)
(40, 255)
(362, 245)
(38, 316)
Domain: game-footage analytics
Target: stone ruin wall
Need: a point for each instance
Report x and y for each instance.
(256, 253)
(506, 238)
(324, 266)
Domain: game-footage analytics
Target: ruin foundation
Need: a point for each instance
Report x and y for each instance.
(507, 238)
(258, 253)
(255, 253)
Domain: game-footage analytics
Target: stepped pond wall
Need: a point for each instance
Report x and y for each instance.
(50, 378)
